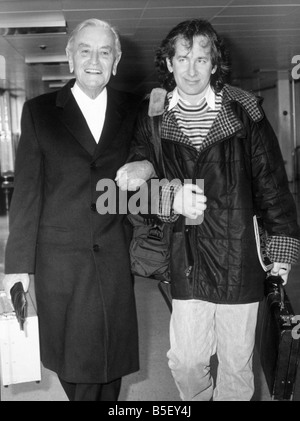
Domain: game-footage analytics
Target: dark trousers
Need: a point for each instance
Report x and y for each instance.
(92, 391)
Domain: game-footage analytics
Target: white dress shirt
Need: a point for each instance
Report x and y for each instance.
(93, 109)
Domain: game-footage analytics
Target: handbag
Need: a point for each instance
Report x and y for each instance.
(150, 245)
(278, 340)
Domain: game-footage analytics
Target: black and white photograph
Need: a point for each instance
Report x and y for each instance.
(149, 203)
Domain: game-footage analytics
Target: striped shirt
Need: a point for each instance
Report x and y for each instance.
(195, 121)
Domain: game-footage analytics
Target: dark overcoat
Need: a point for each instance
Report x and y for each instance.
(84, 288)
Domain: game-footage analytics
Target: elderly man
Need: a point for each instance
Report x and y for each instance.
(70, 140)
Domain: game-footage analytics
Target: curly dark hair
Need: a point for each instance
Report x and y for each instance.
(188, 30)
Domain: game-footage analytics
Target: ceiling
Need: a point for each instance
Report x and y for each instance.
(262, 35)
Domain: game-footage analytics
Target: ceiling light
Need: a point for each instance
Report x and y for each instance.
(30, 23)
(56, 85)
(2, 68)
(50, 78)
(46, 59)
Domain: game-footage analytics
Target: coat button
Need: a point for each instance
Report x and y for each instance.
(96, 247)
(93, 207)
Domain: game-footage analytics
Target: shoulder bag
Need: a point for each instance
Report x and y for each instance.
(150, 244)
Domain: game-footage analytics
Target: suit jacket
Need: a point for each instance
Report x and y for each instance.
(84, 288)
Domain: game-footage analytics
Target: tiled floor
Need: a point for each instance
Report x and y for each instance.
(153, 382)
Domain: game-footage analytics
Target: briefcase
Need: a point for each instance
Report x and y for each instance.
(277, 340)
(19, 345)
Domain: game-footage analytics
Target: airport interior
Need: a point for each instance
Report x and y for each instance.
(263, 37)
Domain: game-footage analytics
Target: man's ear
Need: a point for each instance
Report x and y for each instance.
(214, 70)
(115, 65)
(169, 65)
(70, 60)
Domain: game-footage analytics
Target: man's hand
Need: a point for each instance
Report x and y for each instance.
(281, 269)
(132, 175)
(190, 201)
(11, 279)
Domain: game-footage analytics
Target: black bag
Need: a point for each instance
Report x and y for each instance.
(277, 340)
(150, 248)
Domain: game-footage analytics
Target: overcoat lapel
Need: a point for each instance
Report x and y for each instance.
(115, 114)
(74, 120)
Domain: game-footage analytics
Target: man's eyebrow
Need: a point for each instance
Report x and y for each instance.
(202, 56)
(107, 47)
(82, 44)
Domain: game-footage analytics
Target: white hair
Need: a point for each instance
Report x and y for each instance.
(97, 23)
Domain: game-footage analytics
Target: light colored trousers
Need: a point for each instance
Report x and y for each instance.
(198, 330)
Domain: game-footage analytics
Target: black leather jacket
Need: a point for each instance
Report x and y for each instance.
(244, 174)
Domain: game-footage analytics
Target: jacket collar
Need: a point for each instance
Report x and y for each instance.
(227, 123)
(247, 100)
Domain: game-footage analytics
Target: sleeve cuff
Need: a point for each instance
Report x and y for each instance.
(166, 200)
(282, 249)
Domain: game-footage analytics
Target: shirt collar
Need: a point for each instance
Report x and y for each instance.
(85, 99)
(210, 97)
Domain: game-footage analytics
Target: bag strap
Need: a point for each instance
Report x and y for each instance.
(156, 123)
(155, 112)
